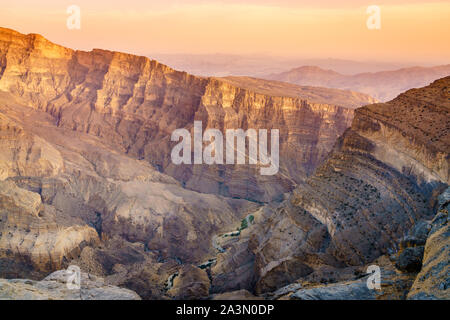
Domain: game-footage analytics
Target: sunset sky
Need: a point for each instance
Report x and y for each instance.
(416, 31)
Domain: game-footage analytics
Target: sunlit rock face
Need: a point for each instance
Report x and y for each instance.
(383, 175)
(63, 191)
(134, 104)
(86, 176)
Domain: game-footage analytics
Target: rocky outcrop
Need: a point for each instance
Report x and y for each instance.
(382, 178)
(236, 295)
(54, 287)
(96, 195)
(410, 255)
(351, 283)
(133, 104)
(33, 238)
(191, 283)
(375, 185)
(433, 280)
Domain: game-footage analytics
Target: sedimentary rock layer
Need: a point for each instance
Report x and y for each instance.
(134, 104)
(383, 176)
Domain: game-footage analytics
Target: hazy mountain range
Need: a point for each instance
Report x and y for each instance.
(222, 65)
(384, 85)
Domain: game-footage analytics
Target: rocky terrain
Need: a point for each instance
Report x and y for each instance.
(382, 85)
(86, 180)
(381, 181)
(87, 202)
(133, 104)
(54, 287)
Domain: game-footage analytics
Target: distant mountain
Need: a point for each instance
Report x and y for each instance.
(383, 85)
(223, 65)
(85, 140)
(86, 179)
(377, 185)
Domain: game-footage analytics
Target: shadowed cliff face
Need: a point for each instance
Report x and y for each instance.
(133, 104)
(63, 192)
(82, 132)
(383, 175)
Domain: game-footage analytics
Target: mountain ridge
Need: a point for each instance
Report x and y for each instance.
(382, 85)
(134, 103)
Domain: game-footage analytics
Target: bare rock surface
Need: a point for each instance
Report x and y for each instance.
(382, 178)
(191, 283)
(86, 177)
(433, 280)
(33, 236)
(54, 287)
(133, 104)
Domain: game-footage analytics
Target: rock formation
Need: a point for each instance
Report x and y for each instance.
(86, 179)
(93, 194)
(54, 287)
(382, 177)
(433, 280)
(133, 104)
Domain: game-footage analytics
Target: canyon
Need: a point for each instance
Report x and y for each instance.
(383, 179)
(86, 179)
(133, 104)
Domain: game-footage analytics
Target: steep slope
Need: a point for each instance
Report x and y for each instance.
(64, 192)
(133, 104)
(54, 287)
(383, 85)
(433, 280)
(382, 177)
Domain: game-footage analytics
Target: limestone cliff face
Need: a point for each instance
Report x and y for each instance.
(63, 192)
(133, 104)
(54, 287)
(433, 280)
(33, 237)
(383, 176)
(24, 154)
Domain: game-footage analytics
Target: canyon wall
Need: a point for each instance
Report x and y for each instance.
(383, 175)
(133, 104)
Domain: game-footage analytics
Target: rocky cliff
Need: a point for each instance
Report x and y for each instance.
(382, 177)
(66, 196)
(54, 287)
(85, 178)
(133, 104)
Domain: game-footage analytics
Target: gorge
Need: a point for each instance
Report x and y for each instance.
(86, 178)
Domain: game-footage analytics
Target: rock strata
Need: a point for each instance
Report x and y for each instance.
(54, 287)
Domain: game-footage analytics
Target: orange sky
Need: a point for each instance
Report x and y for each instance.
(417, 31)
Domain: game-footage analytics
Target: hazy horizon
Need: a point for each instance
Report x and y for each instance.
(411, 31)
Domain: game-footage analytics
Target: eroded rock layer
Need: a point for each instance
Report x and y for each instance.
(134, 104)
(66, 196)
(383, 176)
